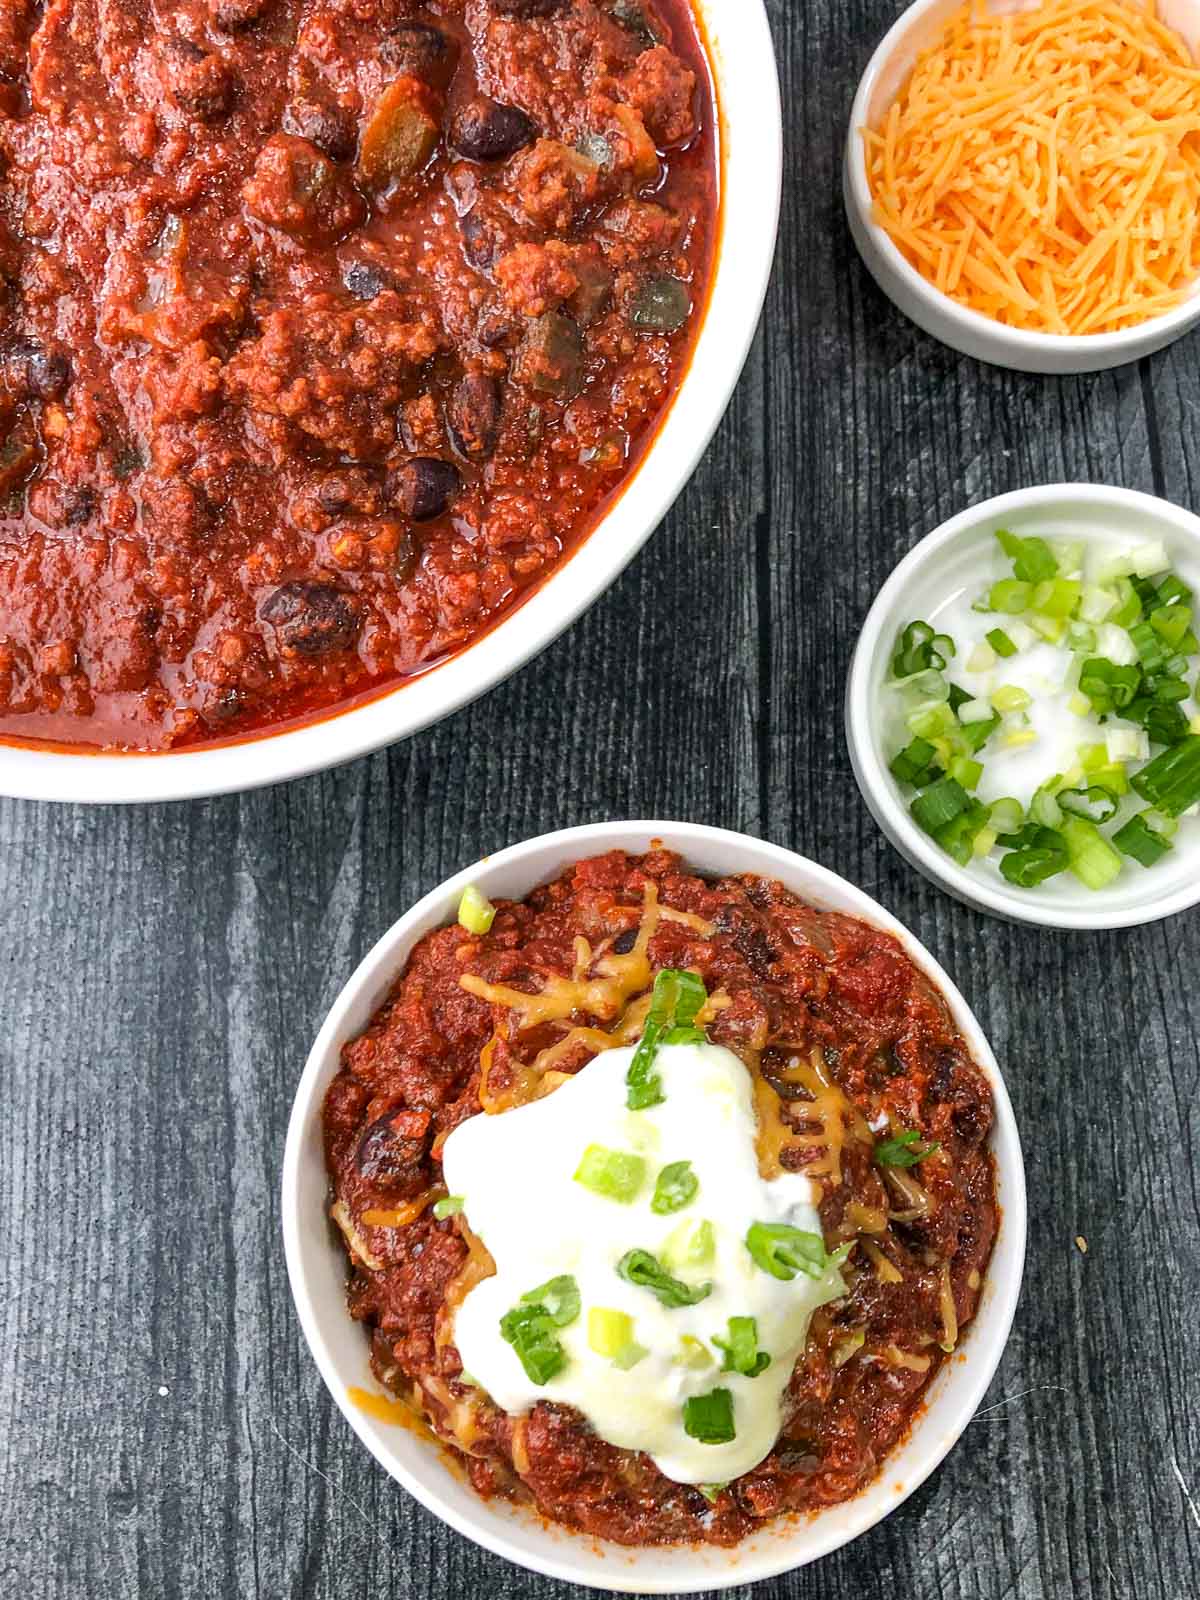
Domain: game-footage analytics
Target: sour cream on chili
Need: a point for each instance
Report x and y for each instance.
(516, 1175)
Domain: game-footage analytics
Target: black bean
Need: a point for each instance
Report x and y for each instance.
(419, 50)
(483, 130)
(330, 127)
(313, 619)
(423, 487)
(624, 942)
(363, 280)
(481, 244)
(391, 1152)
(42, 374)
(473, 415)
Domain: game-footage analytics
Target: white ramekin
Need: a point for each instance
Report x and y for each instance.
(968, 331)
(317, 1266)
(958, 556)
(747, 84)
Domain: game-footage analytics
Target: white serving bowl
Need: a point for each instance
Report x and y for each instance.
(957, 558)
(968, 331)
(747, 84)
(317, 1263)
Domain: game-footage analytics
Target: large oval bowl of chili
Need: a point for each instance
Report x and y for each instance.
(347, 352)
(679, 1205)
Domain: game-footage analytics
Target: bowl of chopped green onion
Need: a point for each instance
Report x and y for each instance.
(1023, 708)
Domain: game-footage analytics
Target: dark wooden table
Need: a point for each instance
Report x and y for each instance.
(163, 1432)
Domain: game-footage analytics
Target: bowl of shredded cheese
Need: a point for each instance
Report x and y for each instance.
(1023, 179)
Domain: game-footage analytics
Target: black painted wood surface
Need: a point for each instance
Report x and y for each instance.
(163, 1431)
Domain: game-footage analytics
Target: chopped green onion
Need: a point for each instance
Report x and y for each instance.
(1028, 867)
(693, 1353)
(915, 651)
(675, 1002)
(629, 1357)
(1081, 639)
(1166, 724)
(965, 771)
(476, 913)
(1171, 623)
(1001, 643)
(1009, 698)
(1173, 591)
(959, 836)
(612, 1174)
(1090, 856)
(1033, 560)
(558, 1298)
(609, 1331)
(939, 804)
(529, 1327)
(690, 1245)
(1095, 803)
(643, 1270)
(783, 1251)
(1138, 840)
(915, 764)
(1150, 647)
(677, 1186)
(1044, 808)
(1096, 604)
(710, 1491)
(904, 1149)
(1128, 608)
(709, 1417)
(741, 1352)
(449, 1206)
(1057, 597)
(1171, 782)
(1010, 597)
(1007, 815)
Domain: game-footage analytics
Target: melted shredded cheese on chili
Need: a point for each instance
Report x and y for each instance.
(618, 993)
(1042, 167)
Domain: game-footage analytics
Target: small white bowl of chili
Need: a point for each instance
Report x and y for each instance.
(955, 324)
(938, 582)
(317, 1261)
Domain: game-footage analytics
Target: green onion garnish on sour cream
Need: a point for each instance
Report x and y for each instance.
(1062, 721)
(674, 1004)
(668, 1307)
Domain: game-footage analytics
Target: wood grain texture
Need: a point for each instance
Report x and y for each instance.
(163, 1432)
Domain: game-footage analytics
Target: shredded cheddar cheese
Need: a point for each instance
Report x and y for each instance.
(1042, 166)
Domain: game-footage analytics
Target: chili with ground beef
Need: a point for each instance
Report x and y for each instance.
(857, 1066)
(327, 329)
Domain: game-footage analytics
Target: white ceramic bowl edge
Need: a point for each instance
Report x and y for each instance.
(316, 1264)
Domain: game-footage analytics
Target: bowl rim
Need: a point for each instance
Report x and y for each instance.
(741, 58)
(1128, 342)
(876, 784)
(981, 1352)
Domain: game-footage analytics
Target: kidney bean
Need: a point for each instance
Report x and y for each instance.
(313, 619)
(423, 487)
(483, 130)
(473, 415)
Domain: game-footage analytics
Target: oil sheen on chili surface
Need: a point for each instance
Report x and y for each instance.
(326, 332)
(860, 1082)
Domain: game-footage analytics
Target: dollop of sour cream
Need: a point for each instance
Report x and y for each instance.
(515, 1174)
